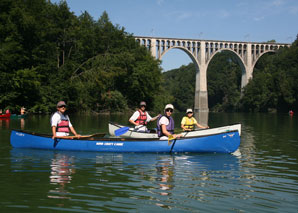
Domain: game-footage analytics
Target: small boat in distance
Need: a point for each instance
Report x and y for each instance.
(5, 116)
(225, 142)
(18, 116)
(132, 133)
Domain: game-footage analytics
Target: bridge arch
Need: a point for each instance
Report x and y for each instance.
(239, 60)
(202, 51)
(255, 62)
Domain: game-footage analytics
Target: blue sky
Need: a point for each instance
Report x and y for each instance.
(231, 20)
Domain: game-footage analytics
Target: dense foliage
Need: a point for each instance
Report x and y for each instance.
(274, 86)
(48, 54)
(180, 86)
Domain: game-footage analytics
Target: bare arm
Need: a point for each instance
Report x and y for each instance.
(203, 127)
(166, 133)
(132, 122)
(54, 131)
(154, 118)
(164, 130)
(73, 131)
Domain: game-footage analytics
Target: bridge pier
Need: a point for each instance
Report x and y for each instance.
(201, 101)
(201, 94)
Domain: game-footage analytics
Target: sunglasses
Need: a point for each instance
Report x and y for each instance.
(169, 110)
(143, 106)
(189, 112)
(62, 106)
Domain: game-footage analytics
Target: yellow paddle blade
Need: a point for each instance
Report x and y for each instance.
(170, 138)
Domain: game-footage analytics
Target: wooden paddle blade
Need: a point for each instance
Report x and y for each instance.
(121, 131)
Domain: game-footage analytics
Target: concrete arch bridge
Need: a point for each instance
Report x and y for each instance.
(202, 51)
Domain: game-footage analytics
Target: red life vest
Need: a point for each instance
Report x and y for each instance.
(142, 119)
(63, 125)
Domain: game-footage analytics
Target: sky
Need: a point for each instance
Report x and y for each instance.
(227, 20)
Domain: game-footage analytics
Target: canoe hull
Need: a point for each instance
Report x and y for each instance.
(15, 116)
(131, 133)
(220, 143)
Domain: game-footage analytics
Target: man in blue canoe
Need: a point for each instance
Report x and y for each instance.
(60, 122)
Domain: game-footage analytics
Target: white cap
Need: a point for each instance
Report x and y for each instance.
(189, 110)
(169, 106)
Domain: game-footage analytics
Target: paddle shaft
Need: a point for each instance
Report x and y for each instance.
(81, 136)
(58, 138)
(173, 145)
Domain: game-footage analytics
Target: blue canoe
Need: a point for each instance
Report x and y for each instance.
(226, 142)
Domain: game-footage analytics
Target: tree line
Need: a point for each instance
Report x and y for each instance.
(49, 54)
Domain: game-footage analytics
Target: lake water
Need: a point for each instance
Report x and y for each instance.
(264, 178)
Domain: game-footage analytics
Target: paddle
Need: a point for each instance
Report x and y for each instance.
(81, 136)
(123, 130)
(58, 138)
(170, 138)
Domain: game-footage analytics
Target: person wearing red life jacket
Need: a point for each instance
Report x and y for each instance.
(60, 122)
(141, 117)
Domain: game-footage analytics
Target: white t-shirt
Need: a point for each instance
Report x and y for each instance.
(56, 118)
(136, 114)
(164, 120)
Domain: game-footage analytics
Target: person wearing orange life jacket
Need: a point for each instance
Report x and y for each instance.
(60, 122)
(188, 122)
(141, 117)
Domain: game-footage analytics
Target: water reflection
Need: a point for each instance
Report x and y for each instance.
(165, 173)
(62, 169)
(124, 179)
(22, 120)
(4, 123)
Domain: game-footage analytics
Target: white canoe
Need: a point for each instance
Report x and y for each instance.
(132, 133)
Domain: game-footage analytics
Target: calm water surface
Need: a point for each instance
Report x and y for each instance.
(264, 178)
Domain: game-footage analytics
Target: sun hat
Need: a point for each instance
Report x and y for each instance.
(189, 110)
(169, 106)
